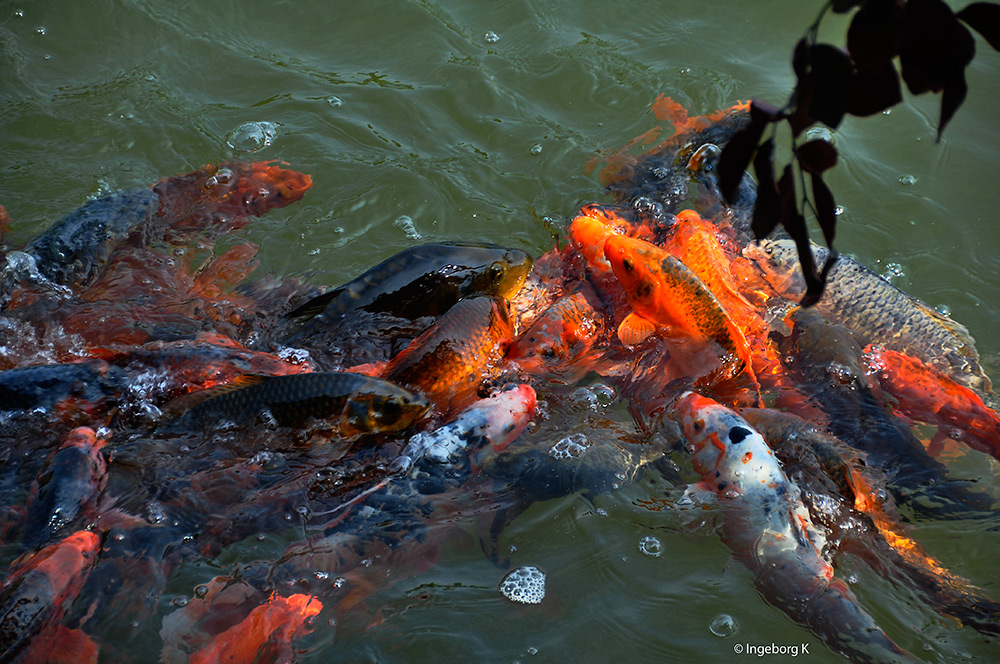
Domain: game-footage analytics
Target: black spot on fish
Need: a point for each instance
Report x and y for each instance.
(723, 485)
(737, 434)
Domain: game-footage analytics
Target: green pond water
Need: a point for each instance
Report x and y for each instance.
(452, 120)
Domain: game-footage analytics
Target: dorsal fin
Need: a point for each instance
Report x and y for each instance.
(182, 404)
(315, 306)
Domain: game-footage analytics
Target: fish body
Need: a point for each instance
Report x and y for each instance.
(61, 387)
(37, 590)
(923, 393)
(229, 193)
(449, 360)
(73, 251)
(563, 341)
(71, 481)
(492, 422)
(265, 634)
(426, 280)
(769, 529)
(665, 293)
(356, 404)
(831, 473)
(828, 365)
(879, 312)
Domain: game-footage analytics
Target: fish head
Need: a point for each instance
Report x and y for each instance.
(726, 451)
(505, 276)
(268, 186)
(636, 265)
(508, 413)
(374, 413)
(589, 231)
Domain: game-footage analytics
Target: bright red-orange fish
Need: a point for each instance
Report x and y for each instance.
(267, 632)
(449, 360)
(666, 295)
(925, 394)
(36, 592)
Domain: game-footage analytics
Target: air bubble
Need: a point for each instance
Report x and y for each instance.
(180, 600)
(907, 180)
(535, 149)
(838, 210)
(943, 309)
(335, 101)
(405, 224)
(821, 134)
(491, 37)
(252, 136)
(893, 272)
(724, 625)
(200, 591)
(650, 546)
(525, 585)
(40, 29)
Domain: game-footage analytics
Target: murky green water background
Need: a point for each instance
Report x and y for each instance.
(413, 110)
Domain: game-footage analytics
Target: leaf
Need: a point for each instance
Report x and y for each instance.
(844, 6)
(934, 45)
(786, 192)
(815, 290)
(984, 18)
(826, 209)
(952, 97)
(767, 208)
(816, 156)
(736, 154)
(873, 89)
(831, 76)
(873, 36)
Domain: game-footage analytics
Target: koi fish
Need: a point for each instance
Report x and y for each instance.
(231, 191)
(882, 540)
(491, 423)
(449, 360)
(923, 393)
(265, 634)
(561, 342)
(425, 280)
(665, 294)
(770, 531)
(39, 588)
(71, 480)
(879, 312)
(90, 386)
(74, 250)
(356, 404)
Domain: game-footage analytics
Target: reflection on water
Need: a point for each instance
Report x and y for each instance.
(453, 121)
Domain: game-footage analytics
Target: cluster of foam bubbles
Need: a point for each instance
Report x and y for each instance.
(252, 136)
(525, 585)
(405, 224)
(570, 447)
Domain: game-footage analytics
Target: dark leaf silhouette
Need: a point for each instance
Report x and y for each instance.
(873, 36)
(831, 74)
(842, 6)
(816, 156)
(767, 210)
(739, 150)
(934, 45)
(814, 290)
(826, 209)
(984, 18)
(873, 89)
(951, 98)
(786, 191)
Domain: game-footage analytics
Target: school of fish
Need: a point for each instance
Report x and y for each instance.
(158, 408)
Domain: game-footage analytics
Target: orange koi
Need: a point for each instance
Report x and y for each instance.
(267, 632)
(665, 294)
(562, 340)
(925, 394)
(35, 594)
(449, 360)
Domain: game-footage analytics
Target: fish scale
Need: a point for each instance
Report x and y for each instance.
(871, 306)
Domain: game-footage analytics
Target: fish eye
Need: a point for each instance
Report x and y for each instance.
(698, 425)
(627, 264)
(497, 271)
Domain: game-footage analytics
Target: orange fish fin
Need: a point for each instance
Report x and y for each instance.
(635, 329)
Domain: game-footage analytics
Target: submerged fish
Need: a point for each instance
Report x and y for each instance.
(449, 360)
(71, 480)
(39, 588)
(356, 404)
(425, 280)
(878, 311)
(769, 529)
